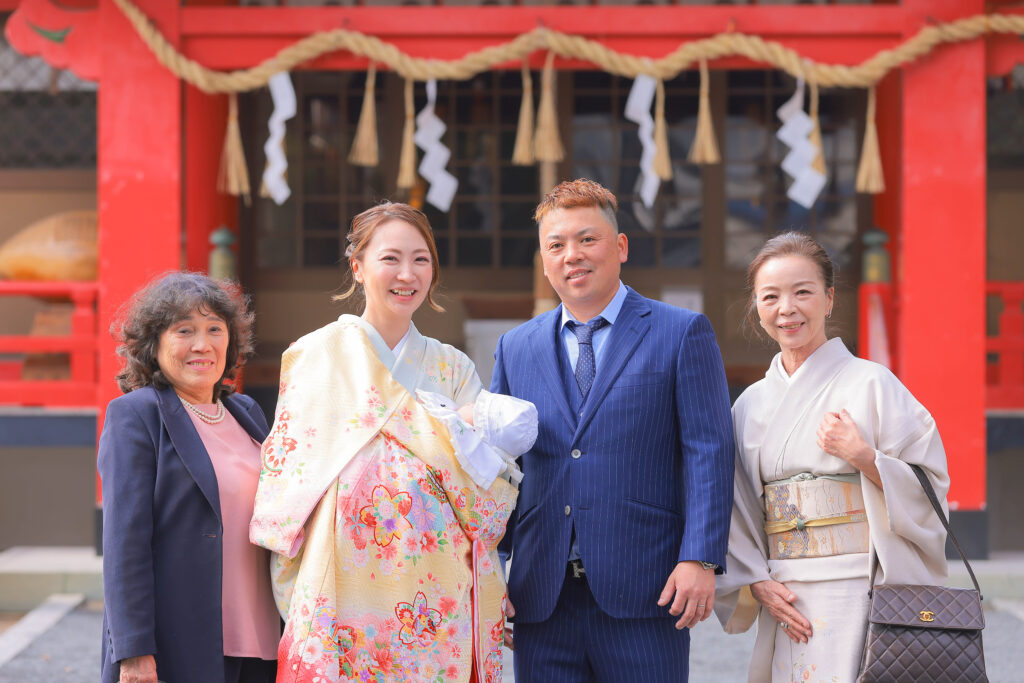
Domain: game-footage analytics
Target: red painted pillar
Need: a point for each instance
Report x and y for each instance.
(138, 166)
(887, 205)
(941, 348)
(138, 169)
(205, 208)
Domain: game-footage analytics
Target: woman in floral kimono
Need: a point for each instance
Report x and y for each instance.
(382, 504)
(823, 482)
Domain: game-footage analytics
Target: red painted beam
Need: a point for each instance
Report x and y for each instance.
(1005, 51)
(599, 22)
(837, 35)
(245, 52)
(831, 34)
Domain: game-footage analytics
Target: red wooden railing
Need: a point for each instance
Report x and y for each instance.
(81, 345)
(1006, 371)
(1005, 349)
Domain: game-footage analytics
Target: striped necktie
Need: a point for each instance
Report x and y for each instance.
(585, 365)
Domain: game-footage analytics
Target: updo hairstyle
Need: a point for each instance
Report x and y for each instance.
(787, 244)
(365, 225)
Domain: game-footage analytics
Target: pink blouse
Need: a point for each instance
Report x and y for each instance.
(252, 626)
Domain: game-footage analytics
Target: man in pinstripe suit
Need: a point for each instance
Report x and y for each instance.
(623, 512)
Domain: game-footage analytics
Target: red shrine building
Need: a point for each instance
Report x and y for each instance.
(931, 268)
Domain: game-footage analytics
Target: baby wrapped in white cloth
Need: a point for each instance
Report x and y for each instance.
(504, 428)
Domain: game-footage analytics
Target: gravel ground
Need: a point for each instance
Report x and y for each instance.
(69, 652)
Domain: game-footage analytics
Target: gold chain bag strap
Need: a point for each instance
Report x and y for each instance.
(924, 633)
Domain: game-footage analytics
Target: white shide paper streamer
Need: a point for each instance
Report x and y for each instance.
(638, 110)
(429, 129)
(795, 131)
(283, 95)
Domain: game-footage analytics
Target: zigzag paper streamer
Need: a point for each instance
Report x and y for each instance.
(429, 129)
(796, 127)
(638, 110)
(283, 95)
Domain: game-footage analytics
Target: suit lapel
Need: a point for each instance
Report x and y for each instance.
(243, 418)
(189, 446)
(544, 341)
(630, 327)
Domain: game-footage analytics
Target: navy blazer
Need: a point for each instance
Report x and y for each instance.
(162, 549)
(644, 469)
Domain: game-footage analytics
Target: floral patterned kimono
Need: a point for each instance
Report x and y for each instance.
(385, 564)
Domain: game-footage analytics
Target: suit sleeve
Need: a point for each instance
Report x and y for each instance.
(499, 385)
(706, 436)
(127, 465)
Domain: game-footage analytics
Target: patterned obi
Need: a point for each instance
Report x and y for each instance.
(815, 516)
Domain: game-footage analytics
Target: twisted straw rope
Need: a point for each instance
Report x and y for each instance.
(863, 75)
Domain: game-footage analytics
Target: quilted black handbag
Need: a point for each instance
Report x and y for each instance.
(924, 633)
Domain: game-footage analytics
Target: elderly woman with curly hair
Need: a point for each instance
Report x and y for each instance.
(187, 599)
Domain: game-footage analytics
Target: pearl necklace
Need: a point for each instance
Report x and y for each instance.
(206, 417)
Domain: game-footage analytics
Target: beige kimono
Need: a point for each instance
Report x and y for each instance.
(385, 563)
(776, 420)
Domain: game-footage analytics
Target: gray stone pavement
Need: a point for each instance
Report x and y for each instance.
(69, 651)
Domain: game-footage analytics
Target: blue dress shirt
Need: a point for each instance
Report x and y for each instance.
(610, 313)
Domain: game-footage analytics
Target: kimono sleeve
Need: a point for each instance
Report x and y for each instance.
(907, 435)
(467, 382)
(294, 476)
(735, 605)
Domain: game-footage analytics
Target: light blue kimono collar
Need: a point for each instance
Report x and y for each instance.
(407, 365)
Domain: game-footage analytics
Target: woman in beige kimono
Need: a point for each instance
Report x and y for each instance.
(823, 482)
(382, 504)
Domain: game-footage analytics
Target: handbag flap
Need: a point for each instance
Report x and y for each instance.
(926, 607)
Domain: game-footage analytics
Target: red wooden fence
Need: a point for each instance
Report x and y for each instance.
(1006, 348)
(81, 345)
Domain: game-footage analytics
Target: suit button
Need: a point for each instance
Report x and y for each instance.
(568, 510)
(575, 453)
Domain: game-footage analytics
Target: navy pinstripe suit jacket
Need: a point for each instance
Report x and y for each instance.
(652, 484)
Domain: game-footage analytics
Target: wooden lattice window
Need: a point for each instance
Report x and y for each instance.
(490, 221)
(605, 147)
(755, 185)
